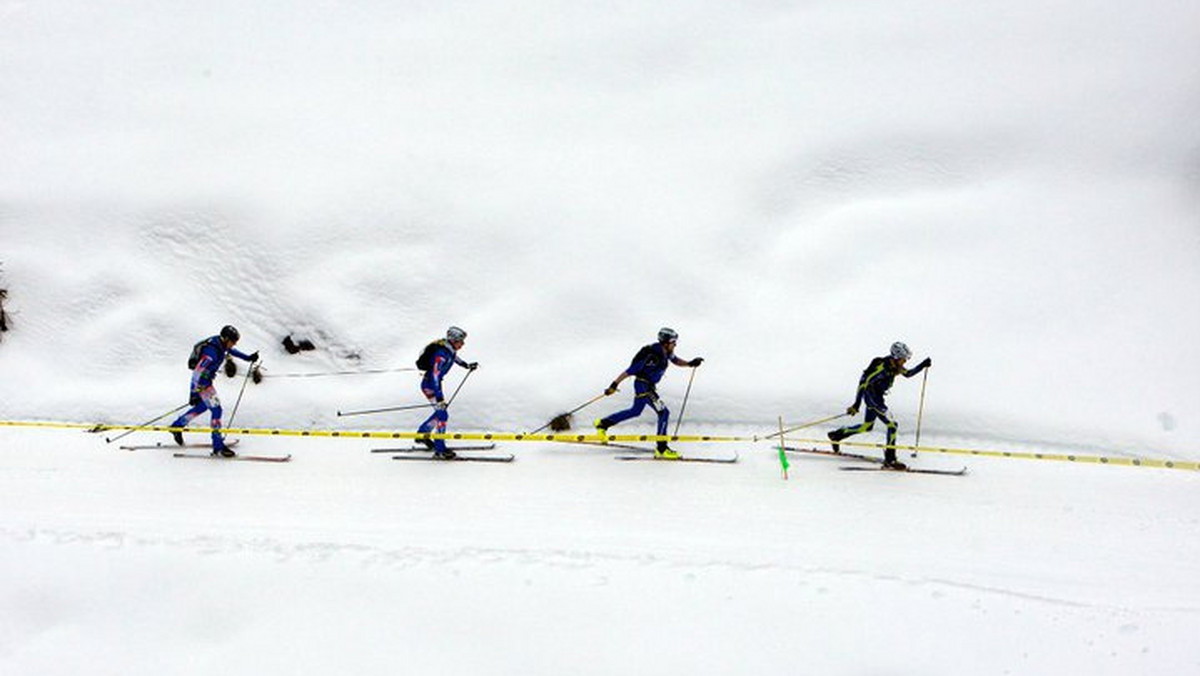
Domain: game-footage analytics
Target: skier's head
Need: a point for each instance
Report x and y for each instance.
(900, 351)
(230, 335)
(666, 335)
(456, 336)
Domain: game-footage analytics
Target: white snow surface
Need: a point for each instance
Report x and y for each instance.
(1012, 188)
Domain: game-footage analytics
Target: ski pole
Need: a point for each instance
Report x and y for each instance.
(460, 385)
(239, 399)
(145, 424)
(683, 406)
(578, 408)
(383, 410)
(920, 412)
(780, 433)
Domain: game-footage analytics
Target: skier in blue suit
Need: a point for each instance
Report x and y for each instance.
(209, 354)
(647, 368)
(873, 386)
(437, 360)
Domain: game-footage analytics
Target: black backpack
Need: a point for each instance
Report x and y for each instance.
(196, 350)
(425, 361)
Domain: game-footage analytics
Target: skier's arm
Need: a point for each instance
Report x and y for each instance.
(243, 356)
(683, 362)
(612, 387)
(918, 368)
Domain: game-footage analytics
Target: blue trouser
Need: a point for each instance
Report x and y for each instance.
(208, 402)
(876, 410)
(644, 394)
(436, 422)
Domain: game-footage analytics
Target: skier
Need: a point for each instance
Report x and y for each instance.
(647, 369)
(437, 360)
(207, 357)
(872, 388)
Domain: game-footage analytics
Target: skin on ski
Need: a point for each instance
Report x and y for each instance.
(424, 449)
(148, 447)
(830, 454)
(910, 470)
(726, 460)
(246, 458)
(458, 458)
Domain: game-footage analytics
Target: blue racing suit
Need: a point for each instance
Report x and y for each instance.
(444, 358)
(647, 368)
(202, 394)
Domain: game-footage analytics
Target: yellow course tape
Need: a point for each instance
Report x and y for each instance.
(597, 439)
(1066, 457)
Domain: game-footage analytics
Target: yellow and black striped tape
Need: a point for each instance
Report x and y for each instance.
(1063, 457)
(595, 439)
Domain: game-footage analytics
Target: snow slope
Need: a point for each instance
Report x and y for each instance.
(1009, 187)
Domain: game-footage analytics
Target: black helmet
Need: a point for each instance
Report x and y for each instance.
(231, 334)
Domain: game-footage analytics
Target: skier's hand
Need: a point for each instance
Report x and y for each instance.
(611, 389)
(472, 366)
(696, 362)
(441, 405)
(925, 364)
(853, 410)
(253, 358)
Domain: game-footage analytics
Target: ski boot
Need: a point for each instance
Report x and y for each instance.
(178, 437)
(427, 443)
(220, 449)
(664, 452)
(893, 464)
(602, 430)
(833, 441)
(444, 454)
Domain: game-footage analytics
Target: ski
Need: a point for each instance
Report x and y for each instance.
(458, 458)
(425, 449)
(910, 470)
(830, 454)
(231, 443)
(685, 458)
(245, 458)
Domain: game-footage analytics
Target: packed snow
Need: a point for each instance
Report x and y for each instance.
(1013, 189)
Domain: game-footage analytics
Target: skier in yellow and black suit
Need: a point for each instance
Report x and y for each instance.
(872, 388)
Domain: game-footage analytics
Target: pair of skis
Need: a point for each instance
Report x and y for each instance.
(209, 455)
(461, 454)
(643, 453)
(877, 464)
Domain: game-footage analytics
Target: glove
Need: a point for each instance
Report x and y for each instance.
(472, 366)
(925, 364)
(253, 358)
(441, 406)
(612, 388)
(696, 362)
(195, 398)
(853, 410)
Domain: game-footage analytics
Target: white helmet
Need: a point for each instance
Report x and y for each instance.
(455, 334)
(666, 335)
(900, 351)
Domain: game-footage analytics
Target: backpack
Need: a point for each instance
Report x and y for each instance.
(425, 361)
(197, 349)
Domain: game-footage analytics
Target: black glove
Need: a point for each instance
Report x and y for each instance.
(853, 410)
(696, 362)
(612, 388)
(253, 358)
(925, 364)
(194, 399)
(472, 366)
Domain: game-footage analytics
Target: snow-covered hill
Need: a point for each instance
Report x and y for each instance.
(1011, 188)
